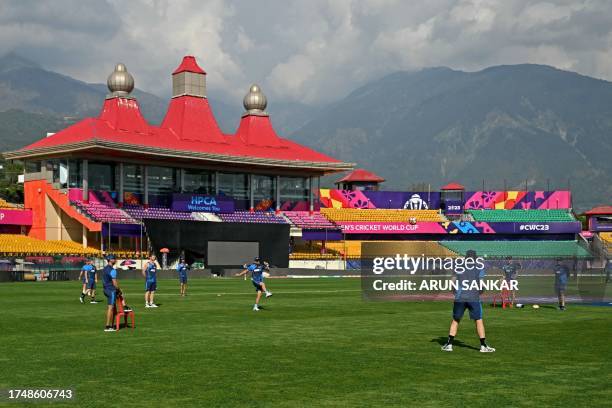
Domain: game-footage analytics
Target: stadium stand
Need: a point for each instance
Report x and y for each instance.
(103, 212)
(12, 244)
(257, 217)
(6, 204)
(161, 213)
(380, 215)
(352, 249)
(312, 252)
(522, 215)
(519, 249)
(303, 219)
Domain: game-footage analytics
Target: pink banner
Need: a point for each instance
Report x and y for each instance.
(391, 228)
(16, 217)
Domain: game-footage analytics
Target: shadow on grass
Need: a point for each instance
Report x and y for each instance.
(456, 343)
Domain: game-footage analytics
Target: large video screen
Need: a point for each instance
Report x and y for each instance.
(231, 252)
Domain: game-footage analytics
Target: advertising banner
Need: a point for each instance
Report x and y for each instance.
(462, 227)
(16, 217)
(453, 207)
(391, 228)
(202, 203)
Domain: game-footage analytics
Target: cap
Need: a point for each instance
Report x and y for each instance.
(110, 257)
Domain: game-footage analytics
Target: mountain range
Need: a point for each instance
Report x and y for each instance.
(507, 126)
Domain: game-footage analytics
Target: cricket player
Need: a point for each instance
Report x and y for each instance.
(149, 272)
(510, 269)
(89, 278)
(561, 278)
(257, 269)
(468, 299)
(110, 286)
(182, 268)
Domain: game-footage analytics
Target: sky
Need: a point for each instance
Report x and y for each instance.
(304, 51)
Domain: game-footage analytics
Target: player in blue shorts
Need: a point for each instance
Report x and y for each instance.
(92, 280)
(110, 286)
(149, 271)
(257, 270)
(85, 291)
(561, 278)
(182, 268)
(468, 299)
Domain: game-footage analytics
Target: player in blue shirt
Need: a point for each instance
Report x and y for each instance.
(149, 271)
(91, 280)
(85, 271)
(468, 298)
(182, 268)
(561, 278)
(110, 286)
(257, 270)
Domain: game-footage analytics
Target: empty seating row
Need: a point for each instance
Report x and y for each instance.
(104, 213)
(519, 249)
(21, 244)
(258, 217)
(353, 249)
(380, 215)
(522, 215)
(163, 213)
(304, 219)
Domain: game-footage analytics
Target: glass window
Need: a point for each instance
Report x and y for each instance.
(75, 174)
(101, 176)
(161, 180)
(199, 181)
(294, 188)
(133, 181)
(235, 185)
(263, 187)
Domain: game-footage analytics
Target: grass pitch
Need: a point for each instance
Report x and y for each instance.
(316, 343)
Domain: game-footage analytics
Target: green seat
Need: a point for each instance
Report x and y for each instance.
(519, 249)
(522, 215)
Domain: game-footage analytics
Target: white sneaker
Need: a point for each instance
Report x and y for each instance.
(268, 294)
(148, 305)
(447, 347)
(80, 299)
(93, 302)
(255, 308)
(110, 329)
(153, 305)
(486, 349)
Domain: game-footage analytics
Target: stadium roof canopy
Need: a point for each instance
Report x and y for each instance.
(189, 130)
(362, 175)
(603, 210)
(453, 186)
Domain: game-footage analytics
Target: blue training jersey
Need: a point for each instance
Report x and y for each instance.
(182, 269)
(151, 272)
(465, 291)
(108, 274)
(256, 272)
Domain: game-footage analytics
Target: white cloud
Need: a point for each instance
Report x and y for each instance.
(305, 51)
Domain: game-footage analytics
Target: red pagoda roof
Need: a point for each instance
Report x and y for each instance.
(453, 186)
(603, 210)
(188, 131)
(361, 175)
(189, 64)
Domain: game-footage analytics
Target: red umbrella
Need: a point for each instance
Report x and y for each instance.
(128, 262)
(164, 250)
